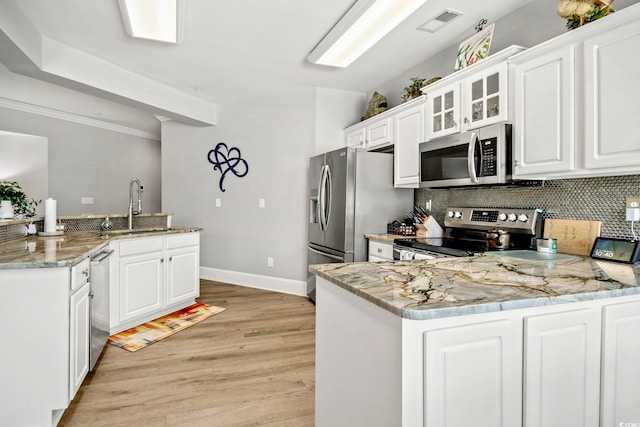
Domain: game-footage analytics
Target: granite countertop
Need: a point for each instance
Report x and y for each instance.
(443, 287)
(69, 248)
(387, 238)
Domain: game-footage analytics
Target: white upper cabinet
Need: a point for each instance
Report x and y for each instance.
(355, 136)
(485, 97)
(576, 109)
(443, 116)
(544, 136)
(612, 91)
(372, 134)
(470, 98)
(378, 133)
(409, 132)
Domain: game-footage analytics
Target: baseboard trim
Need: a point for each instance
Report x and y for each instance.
(269, 283)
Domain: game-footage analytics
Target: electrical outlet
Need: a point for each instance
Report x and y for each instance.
(633, 208)
(86, 200)
(427, 205)
(269, 261)
(218, 203)
(261, 203)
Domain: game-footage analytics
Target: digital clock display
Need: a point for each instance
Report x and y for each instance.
(618, 250)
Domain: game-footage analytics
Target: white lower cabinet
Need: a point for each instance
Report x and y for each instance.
(380, 251)
(79, 338)
(573, 364)
(620, 367)
(473, 375)
(141, 277)
(79, 325)
(562, 369)
(182, 269)
(154, 276)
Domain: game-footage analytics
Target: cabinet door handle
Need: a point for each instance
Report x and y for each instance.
(466, 120)
(170, 258)
(161, 260)
(516, 163)
(379, 250)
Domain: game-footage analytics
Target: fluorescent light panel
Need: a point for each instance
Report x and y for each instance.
(151, 19)
(361, 27)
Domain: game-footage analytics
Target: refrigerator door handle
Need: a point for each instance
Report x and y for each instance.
(328, 197)
(322, 198)
(336, 257)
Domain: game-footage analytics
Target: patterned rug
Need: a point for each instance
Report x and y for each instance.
(148, 333)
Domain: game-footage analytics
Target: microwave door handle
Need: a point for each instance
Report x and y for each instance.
(471, 163)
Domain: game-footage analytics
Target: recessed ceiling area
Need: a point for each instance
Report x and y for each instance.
(239, 50)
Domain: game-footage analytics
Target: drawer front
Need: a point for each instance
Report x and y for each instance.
(183, 239)
(80, 274)
(381, 250)
(141, 245)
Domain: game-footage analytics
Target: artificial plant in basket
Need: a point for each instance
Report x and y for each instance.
(12, 191)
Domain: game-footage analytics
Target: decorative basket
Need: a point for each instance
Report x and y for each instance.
(401, 229)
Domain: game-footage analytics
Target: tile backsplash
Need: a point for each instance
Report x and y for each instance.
(601, 199)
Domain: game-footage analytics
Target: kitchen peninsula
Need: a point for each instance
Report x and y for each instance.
(489, 340)
(47, 289)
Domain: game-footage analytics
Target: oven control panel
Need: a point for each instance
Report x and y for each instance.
(511, 219)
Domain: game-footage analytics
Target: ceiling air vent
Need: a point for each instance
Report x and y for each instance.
(440, 20)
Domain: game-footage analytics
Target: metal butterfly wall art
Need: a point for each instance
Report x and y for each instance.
(227, 160)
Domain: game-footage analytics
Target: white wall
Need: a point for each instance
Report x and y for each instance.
(276, 136)
(335, 110)
(24, 160)
(86, 161)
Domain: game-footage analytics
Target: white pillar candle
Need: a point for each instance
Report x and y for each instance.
(49, 215)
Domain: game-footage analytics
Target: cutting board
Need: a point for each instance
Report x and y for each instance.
(574, 236)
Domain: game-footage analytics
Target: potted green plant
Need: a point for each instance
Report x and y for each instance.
(19, 203)
(413, 90)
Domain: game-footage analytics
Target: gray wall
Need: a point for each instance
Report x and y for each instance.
(86, 161)
(276, 137)
(528, 26)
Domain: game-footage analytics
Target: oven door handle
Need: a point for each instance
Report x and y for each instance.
(471, 161)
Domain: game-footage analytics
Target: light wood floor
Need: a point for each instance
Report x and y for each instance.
(252, 364)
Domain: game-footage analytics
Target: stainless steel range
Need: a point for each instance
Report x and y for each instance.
(475, 230)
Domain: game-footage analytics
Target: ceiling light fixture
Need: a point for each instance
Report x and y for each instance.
(364, 24)
(152, 19)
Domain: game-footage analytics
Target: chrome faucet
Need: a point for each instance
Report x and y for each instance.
(131, 211)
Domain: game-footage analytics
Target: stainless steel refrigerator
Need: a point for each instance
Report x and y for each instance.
(351, 194)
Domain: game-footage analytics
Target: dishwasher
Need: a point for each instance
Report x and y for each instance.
(99, 295)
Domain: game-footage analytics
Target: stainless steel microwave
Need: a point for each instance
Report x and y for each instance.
(478, 157)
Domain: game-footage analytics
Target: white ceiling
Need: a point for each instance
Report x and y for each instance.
(235, 50)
